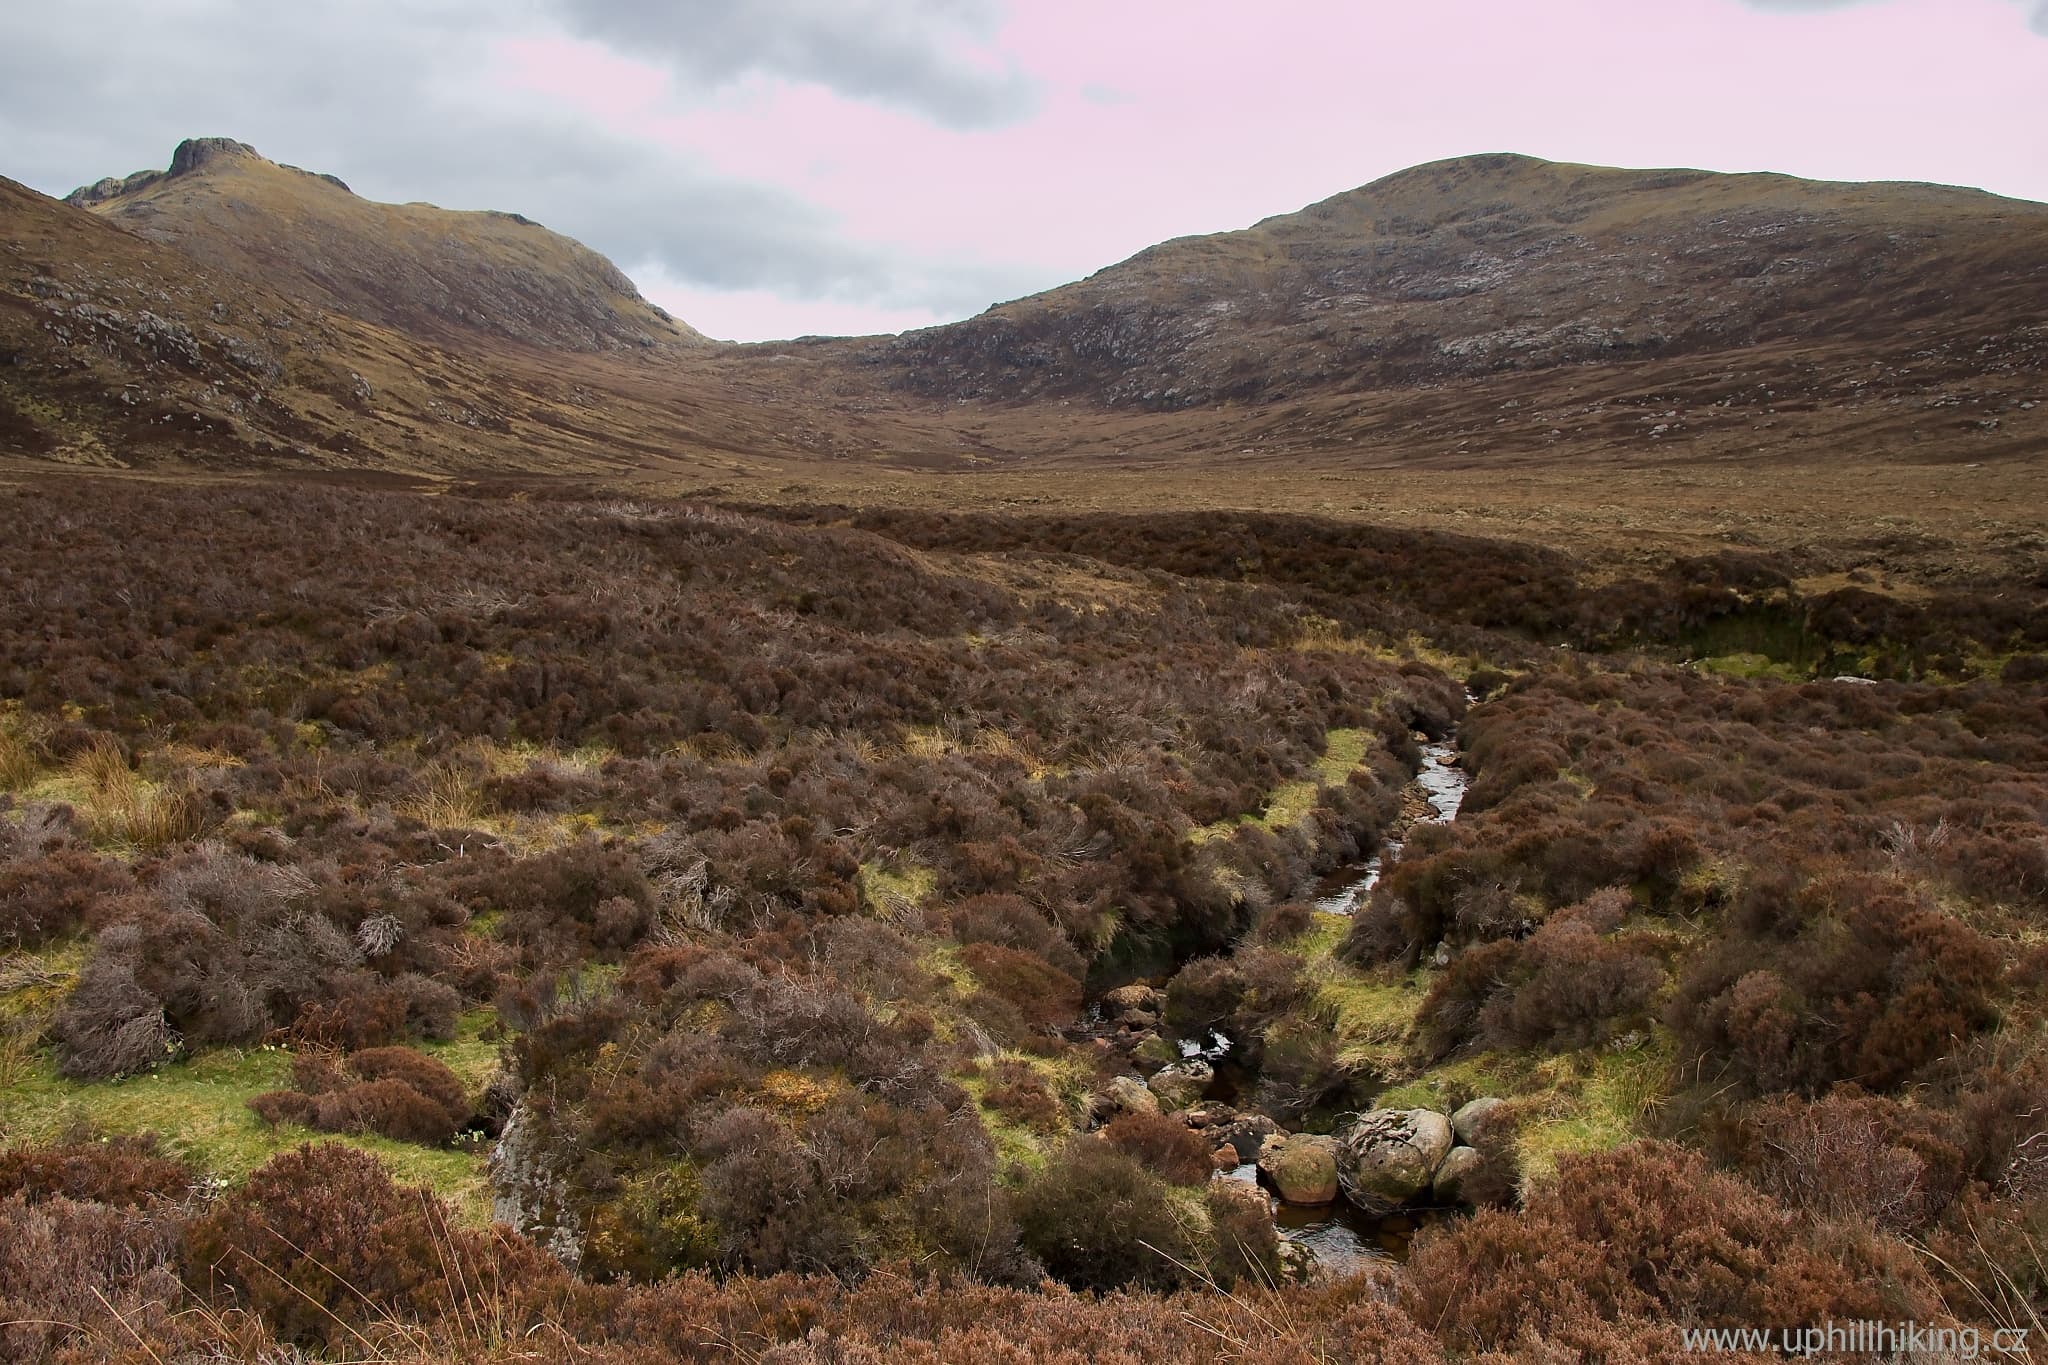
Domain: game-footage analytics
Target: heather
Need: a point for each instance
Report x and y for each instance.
(455, 928)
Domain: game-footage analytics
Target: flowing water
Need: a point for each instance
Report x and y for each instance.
(1343, 1237)
(1443, 786)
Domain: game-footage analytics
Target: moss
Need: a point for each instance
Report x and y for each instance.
(1587, 1101)
(1598, 1103)
(1343, 752)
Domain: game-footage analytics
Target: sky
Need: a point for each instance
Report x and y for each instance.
(774, 168)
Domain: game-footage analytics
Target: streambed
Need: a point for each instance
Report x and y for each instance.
(1343, 1237)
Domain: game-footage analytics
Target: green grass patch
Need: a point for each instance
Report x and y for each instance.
(1753, 666)
(886, 890)
(1343, 752)
(1370, 1012)
(199, 1110)
(1592, 1100)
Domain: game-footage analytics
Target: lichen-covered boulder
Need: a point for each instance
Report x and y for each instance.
(1388, 1158)
(1123, 1095)
(1181, 1084)
(1303, 1169)
(1460, 1165)
(1471, 1120)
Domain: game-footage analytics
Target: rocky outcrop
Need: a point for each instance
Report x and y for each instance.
(529, 1194)
(1135, 1006)
(1302, 1169)
(431, 273)
(1388, 1158)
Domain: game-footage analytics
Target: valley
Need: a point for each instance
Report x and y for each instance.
(1459, 775)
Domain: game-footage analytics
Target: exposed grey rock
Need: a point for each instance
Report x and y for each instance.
(529, 1195)
(1183, 1083)
(1387, 1158)
(1303, 1168)
(1471, 1119)
(1460, 1165)
(1123, 1095)
(1246, 1132)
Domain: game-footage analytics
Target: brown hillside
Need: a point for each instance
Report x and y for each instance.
(420, 269)
(1494, 264)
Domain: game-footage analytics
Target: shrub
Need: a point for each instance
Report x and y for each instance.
(1646, 1234)
(1041, 993)
(321, 1246)
(1163, 1145)
(393, 1091)
(1098, 1219)
(1011, 922)
(1205, 994)
(49, 895)
(109, 1026)
(124, 1171)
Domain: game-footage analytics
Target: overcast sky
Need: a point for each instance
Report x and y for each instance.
(766, 168)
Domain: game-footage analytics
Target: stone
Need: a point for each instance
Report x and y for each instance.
(1155, 1050)
(1471, 1119)
(1182, 1084)
(1246, 1132)
(1225, 1158)
(1388, 1158)
(1460, 1165)
(1302, 1169)
(1137, 998)
(1123, 1095)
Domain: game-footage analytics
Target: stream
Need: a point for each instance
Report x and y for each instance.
(1442, 785)
(1343, 1237)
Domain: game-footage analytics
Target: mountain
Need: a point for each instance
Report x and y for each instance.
(118, 351)
(426, 271)
(1493, 264)
(1690, 344)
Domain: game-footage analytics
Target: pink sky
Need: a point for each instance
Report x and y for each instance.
(1158, 118)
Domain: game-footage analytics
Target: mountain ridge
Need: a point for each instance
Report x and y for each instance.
(1489, 263)
(443, 274)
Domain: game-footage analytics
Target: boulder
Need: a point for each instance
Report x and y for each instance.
(1388, 1158)
(1181, 1084)
(1244, 1131)
(1302, 1169)
(1137, 998)
(1123, 1095)
(1471, 1119)
(1154, 1050)
(1225, 1158)
(1460, 1165)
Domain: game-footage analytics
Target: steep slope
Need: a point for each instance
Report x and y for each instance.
(423, 270)
(1504, 263)
(120, 352)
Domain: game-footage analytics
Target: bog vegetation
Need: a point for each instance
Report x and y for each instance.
(731, 894)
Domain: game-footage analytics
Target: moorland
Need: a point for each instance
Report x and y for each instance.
(527, 833)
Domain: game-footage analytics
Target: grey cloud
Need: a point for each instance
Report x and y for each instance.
(374, 92)
(928, 56)
(2038, 9)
